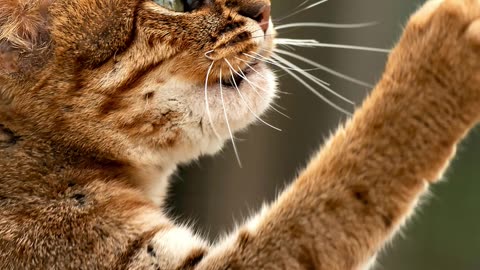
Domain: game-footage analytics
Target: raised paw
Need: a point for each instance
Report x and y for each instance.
(441, 46)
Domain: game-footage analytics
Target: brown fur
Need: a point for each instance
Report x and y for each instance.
(87, 121)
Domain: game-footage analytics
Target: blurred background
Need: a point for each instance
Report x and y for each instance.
(215, 192)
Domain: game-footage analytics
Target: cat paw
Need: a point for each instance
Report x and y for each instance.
(441, 46)
(459, 17)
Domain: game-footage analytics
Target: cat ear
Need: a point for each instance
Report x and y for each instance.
(23, 31)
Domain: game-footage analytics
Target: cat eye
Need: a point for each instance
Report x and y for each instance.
(180, 5)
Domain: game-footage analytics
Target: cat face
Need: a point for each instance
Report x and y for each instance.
(144, 80)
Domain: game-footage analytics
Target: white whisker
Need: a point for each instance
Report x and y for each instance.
(314, 79)
(325, 25)
(303, 9)
(315, 4)
(311, 88)
(303, 69)
(207, 106)
(245, 101)
(275, 63)
(317, 81)
(227, 122)
(255, 87)
(310, 43)
(302, 4)
(263, 59)
(207, 55)
(281, 108)
(250, 67)
(324, 68)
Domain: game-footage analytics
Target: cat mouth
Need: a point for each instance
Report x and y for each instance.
(237, 77)
(234, 81)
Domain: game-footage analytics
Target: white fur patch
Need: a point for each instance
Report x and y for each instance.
(175, 245)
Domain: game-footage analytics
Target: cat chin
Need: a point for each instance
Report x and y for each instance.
(240, 106)
(207, 109)
(202, 131)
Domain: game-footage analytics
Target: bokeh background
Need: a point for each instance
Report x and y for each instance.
(215, 192)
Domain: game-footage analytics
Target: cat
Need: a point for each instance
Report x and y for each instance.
(102, 99)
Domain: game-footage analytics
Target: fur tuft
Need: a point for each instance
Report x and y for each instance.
(23, 23)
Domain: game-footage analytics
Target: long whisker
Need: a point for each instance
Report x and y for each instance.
(207, 55)
(254, 70)
(245, 101)
(291, 66)
(315, 4)
(207, 106)
(314, 79)
(255, 87)
(270, 61)
(324, 25)
(250, 66)
(317, 82)
(303, 9)
(324, 68)
(310, 43)
(302, 4)
(260, 57)
(335, 106)
(227, 122)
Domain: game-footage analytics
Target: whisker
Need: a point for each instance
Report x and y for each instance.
(310, 43)
(207, 106)
(324, 68)
(245, 77)
(227, 122)
(315, 4)
(317, 81)
(329, 102)
(313, 79)
(250, 66)
(302, 4)
(263, 59)
(207, 55)
(307, 75)
(255, 87)
(303, 9)
(324, 25)
(269, 61)
(281, 108)
(245, 101)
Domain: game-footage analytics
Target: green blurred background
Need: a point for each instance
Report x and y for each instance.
(215, 192)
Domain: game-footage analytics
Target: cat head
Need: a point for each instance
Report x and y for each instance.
(144, 80)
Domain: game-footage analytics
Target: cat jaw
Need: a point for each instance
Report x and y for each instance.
(201, 129)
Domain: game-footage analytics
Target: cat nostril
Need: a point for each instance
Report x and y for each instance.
(259, 13)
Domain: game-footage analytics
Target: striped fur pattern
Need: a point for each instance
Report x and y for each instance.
(101, 99)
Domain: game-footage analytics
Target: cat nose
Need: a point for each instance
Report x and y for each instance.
(260, 12)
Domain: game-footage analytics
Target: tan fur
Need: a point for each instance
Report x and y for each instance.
(101, 99)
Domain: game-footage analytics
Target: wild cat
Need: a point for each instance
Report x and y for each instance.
(101, 99)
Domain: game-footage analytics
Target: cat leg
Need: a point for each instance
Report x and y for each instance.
(359, 189)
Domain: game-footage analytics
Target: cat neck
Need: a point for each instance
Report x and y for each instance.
(44, 159)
